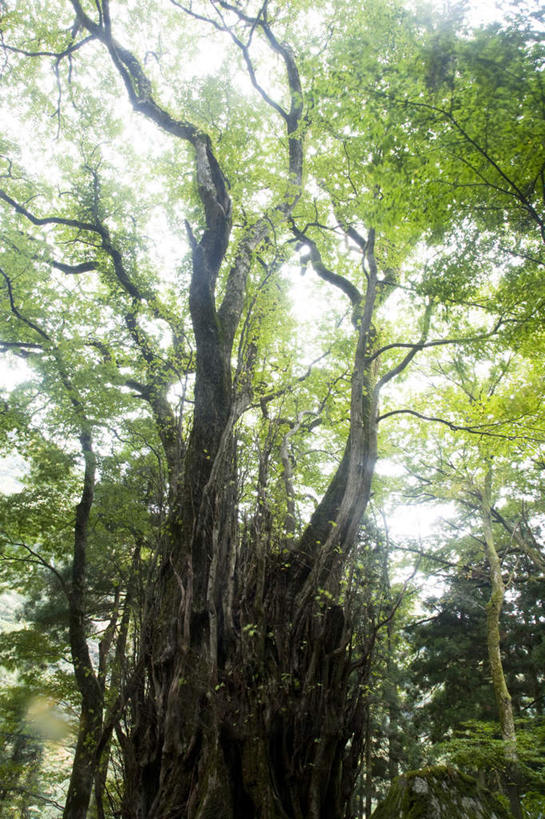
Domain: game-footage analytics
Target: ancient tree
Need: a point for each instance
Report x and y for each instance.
(146, 282)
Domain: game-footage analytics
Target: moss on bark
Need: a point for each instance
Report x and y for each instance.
(439, 793)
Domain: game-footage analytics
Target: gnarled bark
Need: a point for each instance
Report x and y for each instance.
(244, 703)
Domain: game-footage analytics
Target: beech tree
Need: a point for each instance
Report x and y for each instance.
(204, 455)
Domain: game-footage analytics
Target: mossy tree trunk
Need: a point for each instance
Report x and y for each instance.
(493, 612)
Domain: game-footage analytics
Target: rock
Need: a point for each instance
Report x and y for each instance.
(441, 792)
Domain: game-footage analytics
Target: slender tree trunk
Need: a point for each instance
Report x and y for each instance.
(368, 766)
(117, 669)
(90, 722)
(503, 698)
(84, 765)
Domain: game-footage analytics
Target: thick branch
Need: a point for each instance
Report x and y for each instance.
(338, 515)
(437, 343)
(47, 220)
(235, 289)
(211, 183)
(74, 269)
(411, 354)
(530, 550)
(20, 348)
(293, 116)
(315, 257)
(476, 429)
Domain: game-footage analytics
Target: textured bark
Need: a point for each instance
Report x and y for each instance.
(248, 708)
(246, 704)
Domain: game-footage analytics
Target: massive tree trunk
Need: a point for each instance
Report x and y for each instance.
(245, 701)
(248, 707)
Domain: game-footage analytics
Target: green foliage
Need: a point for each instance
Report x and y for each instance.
(413, 126)
(477, 746)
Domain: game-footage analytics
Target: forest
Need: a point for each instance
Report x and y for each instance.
(272, 430)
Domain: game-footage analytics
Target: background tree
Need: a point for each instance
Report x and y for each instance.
(465, 475)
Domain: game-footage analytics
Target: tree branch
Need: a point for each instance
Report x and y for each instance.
(475, 430)
(47, 220)
(324, 273)
(439, 342)
(517, 192)
(74, 269)
(16, 312)
(40, 561)
(411, 354)
(59, 55)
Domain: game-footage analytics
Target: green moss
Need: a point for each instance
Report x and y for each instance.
(440, 792)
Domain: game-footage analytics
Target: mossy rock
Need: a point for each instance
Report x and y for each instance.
(439, 793)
